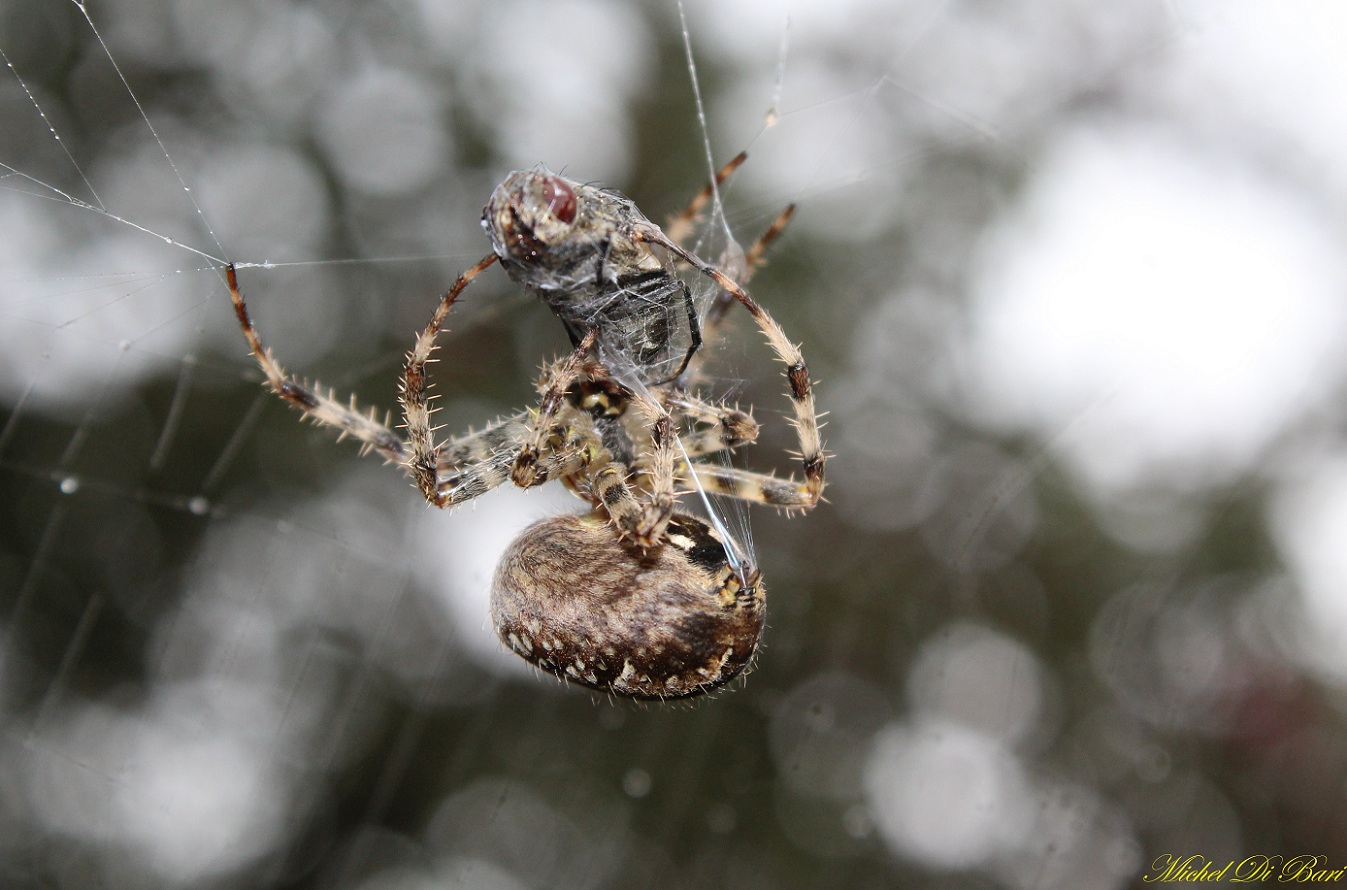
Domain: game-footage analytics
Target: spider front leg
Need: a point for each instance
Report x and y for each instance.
(806, 420)
(325, 410)
(423, 462)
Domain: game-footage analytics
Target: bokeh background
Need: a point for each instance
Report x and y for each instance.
(1070, 276)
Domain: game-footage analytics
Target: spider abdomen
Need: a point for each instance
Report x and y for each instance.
(572, 599)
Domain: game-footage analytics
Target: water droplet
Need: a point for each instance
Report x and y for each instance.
(198, 506)
(70, 485)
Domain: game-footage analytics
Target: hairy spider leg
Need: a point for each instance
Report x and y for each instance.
(680, 225)
(322, 408)
(557, 379)
(475, 463)
(806, 421)
(723, 427)
(655, 510)
(746, 485)
(423, 462)
(469, 465)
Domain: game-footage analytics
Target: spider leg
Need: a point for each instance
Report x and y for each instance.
(557, 379)
(636, 520)
(473, 464)
(806, 420)
(723, 427)
(643, 520)
(681, 224)
(746, 485)
(324, 409)
(753, 260)
(657, 507)
(423, 461)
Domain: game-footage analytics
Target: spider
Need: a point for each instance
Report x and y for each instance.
(636, 597)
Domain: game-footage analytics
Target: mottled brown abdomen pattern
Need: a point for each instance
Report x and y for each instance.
(575, 601)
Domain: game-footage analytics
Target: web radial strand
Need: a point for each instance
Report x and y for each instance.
(738, 545)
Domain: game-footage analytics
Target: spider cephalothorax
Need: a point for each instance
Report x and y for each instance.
(636, 597)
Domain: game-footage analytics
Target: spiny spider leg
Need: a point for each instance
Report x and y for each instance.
(474, 464)
(640, 520)
(323, 409)
(725, 427)
(556, 380)
(469, 465)
(746, 485)
(423, 461)
(753, 260)
(657, 508)
(681, 224)
(806, 421)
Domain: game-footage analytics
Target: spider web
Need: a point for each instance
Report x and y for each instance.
(1056, 585)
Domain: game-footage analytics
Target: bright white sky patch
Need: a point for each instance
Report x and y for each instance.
(1280, 64)
(1157, 310)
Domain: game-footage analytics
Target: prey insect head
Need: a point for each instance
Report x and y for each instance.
(530, 212)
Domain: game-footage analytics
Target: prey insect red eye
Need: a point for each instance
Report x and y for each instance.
(560, 198)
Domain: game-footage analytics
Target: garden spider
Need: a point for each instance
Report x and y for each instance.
(636, 597)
